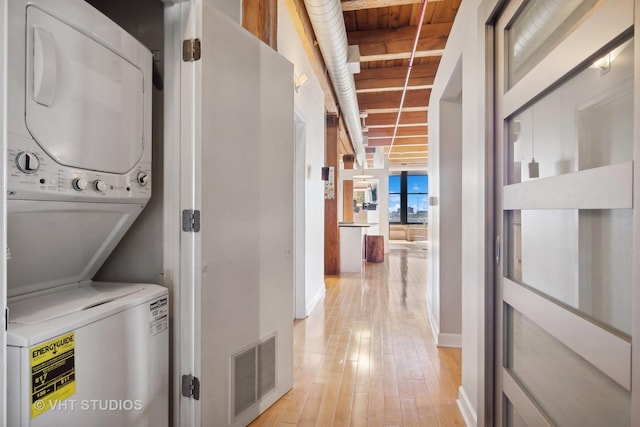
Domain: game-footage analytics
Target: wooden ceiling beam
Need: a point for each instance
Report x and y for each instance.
(394, 77)
(396, 43)
(401, 55)
(402, 132)
(389, 119)
(344, 143)
(409, 157)
(394, 110)
(383, 100)
(348, 5)
(406, 149)
(408, 160)
(399, 141)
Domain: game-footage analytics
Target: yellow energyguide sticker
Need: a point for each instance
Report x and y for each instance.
(53, 373)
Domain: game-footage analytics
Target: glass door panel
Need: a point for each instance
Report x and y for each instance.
(595, 247)
(537, 28)
(585, 123)
(550, 372)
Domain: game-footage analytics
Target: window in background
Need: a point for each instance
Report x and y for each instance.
(408, 198)
(417, 198)
(394, 199)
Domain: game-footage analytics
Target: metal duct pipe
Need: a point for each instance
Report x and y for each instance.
(328, 24)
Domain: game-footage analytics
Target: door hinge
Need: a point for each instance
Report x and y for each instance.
(191, 386)
(191, 50)
(191, 220)
(6, 318)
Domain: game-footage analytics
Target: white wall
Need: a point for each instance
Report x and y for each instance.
(466, 46)
(447, 324)
(138, 256)
(230, 8)
(309, 106)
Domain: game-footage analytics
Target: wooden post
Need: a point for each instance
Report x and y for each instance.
(331, 231)
(260, 18)
(347, 190)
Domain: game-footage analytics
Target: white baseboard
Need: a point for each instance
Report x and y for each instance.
(442, 340)
(449, 340)
(435, 325)
(468, 413)
(316, 299)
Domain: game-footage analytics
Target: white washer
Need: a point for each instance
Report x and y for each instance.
(110, 367)
(79, 168)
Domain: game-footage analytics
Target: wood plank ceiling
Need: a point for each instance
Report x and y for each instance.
(385, 31)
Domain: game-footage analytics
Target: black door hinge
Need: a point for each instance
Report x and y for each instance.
(191, 220)
(191, 386)
(191, 50)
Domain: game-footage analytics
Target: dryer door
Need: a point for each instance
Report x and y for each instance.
(84, 102)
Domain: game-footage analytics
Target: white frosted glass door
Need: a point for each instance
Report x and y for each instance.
(564, 289)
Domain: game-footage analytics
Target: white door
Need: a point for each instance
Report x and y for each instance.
(236, 272)
(565, 213)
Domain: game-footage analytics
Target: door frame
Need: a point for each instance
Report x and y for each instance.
(300, 207)
(181, 21)
(3, 213)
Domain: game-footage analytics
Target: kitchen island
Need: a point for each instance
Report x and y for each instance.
(351, 246)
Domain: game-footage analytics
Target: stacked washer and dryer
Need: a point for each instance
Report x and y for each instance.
(80, 353)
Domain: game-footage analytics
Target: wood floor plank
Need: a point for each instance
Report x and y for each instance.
(366, 355)
(327, 410)
(409, 413)
(375, 414)
(359, 412)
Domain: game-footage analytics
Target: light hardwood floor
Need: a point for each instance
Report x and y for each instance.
(366, 355)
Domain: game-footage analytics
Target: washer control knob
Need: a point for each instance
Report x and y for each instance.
(27, 162)
(79, 184)
(143, 178)
(99, 185)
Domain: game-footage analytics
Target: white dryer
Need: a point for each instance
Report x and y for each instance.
(79, 168)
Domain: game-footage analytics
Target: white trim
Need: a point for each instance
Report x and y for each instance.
(319, 296)
(299, 206)
(606, 351)
(525, 406)
(442, 340)
(612, 185)
(635, 367)
(466, 408)
(435, 325)
(449, 340)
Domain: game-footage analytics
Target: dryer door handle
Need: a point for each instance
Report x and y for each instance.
(44, 67)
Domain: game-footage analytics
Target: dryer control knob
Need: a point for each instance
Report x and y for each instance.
(27, 162)
(143, 178)
(79, 184)
(100, 186)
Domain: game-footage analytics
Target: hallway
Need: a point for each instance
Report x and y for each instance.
(366, 355)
